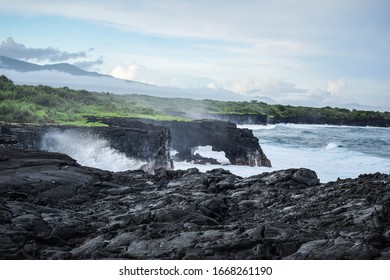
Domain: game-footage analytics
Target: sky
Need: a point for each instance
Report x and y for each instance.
(298, 52)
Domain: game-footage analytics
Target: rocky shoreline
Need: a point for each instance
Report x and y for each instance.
(152, 141)
(240, 146)
(53, 208)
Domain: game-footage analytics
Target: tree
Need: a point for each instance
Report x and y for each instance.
(5, 83)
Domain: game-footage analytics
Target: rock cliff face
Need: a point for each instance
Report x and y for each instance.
(151, 141)
(145, 142)
(142, 141)
(53, 208)
(241, 147)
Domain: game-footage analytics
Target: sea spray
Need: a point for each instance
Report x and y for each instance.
(207, 152)
(88, 149)
(331, 146)
(331, 151)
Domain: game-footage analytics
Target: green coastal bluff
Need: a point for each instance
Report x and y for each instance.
(47, 105)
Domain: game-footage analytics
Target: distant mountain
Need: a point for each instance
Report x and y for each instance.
(23, 66)
(65, 74)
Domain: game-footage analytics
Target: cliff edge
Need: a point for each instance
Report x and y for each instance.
(241, 147)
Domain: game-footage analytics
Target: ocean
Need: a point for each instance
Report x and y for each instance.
(331, 151)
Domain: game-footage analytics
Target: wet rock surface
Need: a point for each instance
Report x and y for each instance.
(53, 208)
(138, 140)
(241, 147)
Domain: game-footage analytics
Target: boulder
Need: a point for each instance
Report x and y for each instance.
(53, 208)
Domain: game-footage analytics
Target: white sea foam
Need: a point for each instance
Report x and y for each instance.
(88, 150)
(207, 152)
(330, 161)
(329, 164)
(331, 146)
(256, 126)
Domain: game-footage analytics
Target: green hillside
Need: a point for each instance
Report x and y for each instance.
(273, 113)
(48, 105)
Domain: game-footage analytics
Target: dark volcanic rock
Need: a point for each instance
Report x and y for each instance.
(141, 141)
(241, 147)
(52, 208)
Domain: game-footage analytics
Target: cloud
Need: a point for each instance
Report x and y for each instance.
(128, 72)
(140, 73)
(272, 88)
(219, 19)
(305, 41)
(212, 86)
(13, 49)
(283, 47)
(285, 92)
(335, 87)
(109, 84)
(89, 64)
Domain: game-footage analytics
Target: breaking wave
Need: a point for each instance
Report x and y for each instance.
(331, 146)
(88, 149)
(331, 151)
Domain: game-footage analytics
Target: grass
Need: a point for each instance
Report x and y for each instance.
(47, 105)
(64, 106)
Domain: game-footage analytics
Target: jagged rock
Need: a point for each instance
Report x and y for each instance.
(138, 140)
(48, 211)
(241, 147)
(151, 141)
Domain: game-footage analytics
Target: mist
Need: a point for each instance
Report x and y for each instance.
(117, 86)
(89, 150)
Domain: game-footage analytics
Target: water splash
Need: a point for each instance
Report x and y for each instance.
(331, 146)
(88, 149)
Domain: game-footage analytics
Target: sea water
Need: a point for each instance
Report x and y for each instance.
(331, 151)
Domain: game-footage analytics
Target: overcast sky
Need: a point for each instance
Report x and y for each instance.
(300, 52)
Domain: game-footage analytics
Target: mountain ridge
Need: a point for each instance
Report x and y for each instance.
(73, 77)
(24, 66)
(69, 75)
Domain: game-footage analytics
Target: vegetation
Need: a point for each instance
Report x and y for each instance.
(47, 105)
(44, 104)
(272, 113)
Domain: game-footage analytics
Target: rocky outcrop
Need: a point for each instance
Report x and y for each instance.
(141, 141)
(241, 147)
(52, 208)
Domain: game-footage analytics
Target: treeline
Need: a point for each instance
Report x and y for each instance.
(306, 115)
(47, 105)
(44, 104)
(264, 112)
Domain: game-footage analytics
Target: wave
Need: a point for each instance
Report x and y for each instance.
(207, 152)
(256, 126)
(329, 164)
(88, 149)
(315, 126)
(331, 146)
